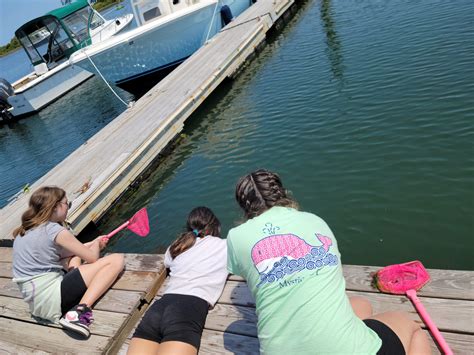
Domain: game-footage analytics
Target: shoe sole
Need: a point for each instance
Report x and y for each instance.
(76, 328)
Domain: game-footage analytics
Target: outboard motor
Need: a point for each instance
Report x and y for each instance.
(6, 90)
(226, 15)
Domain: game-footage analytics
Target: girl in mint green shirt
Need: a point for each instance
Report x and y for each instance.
(292, 265)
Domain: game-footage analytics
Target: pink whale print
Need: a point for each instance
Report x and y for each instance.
(271, 249)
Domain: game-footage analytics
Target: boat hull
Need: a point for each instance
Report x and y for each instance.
(146, 55)
(34, 92)
(34, 98)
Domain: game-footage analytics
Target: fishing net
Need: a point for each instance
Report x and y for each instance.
(139, 223)
(399, 278)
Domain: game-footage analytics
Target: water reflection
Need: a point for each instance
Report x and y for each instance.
(334, 46)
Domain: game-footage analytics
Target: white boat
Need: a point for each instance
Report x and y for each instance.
(49, 41)
(169, 31)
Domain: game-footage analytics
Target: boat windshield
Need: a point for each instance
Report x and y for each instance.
(78, 24)
(45, 41)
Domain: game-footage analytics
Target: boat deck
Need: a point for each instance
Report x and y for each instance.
(231, 325)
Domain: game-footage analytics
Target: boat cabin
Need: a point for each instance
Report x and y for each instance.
(50, 39)
(145, 11)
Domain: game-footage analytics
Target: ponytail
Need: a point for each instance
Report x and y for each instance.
(201, 222)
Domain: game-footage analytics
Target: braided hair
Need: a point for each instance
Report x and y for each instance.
(201, 222)
(261, 190)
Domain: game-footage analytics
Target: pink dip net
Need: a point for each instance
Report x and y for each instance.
(399, 278)
(139, 223)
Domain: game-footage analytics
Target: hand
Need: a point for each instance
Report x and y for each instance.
(102, 240)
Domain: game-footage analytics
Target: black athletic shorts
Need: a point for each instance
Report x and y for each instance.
(391, 344)
(73, 288)
(174, 318)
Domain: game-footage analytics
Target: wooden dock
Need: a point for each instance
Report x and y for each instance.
(231, 325)
(449, 298)
(115, 314)
(99, 171)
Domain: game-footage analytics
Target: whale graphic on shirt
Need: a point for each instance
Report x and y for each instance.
(278, 255)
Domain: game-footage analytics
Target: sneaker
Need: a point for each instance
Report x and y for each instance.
(78, 319)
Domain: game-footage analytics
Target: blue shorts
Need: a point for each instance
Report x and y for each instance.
(174, 318)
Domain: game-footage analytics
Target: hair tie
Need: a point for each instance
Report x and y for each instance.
(196, 232)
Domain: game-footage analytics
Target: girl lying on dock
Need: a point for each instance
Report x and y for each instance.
(292, 265)
(40, 244)
(197, 261)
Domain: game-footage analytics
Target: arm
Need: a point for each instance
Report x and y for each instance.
(69, 242)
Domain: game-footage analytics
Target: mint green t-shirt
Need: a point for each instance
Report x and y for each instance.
(293, 268)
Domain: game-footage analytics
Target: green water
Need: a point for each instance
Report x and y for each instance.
(365, 108)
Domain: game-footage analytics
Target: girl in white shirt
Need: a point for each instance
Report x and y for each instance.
(197, 261)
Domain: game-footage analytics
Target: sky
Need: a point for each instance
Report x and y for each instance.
(14, 13)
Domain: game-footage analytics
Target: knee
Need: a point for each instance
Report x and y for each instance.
(117, 260)
(361, 306)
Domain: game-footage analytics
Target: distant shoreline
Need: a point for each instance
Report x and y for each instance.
(11, 52)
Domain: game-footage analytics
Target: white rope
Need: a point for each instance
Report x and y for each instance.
(106, 83)
(212, 21)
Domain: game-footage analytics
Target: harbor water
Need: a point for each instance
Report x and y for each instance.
(363, 107)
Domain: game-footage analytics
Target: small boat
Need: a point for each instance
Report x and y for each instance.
(168, 32)
(49, 41)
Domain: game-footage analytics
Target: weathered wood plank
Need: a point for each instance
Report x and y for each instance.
(9, 288)
(119, 301)
(444, 283)
(144, 262)
(48, 339)
(14, 349)
(135, 281)
(105, 323)
(6, 254)
(6, 270)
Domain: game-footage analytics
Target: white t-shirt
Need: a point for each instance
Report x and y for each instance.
(200, 271)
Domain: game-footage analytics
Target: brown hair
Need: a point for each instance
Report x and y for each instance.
(40, 208)
(261, 190)
(201, 222)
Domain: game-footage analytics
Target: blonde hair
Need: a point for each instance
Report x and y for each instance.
(40, 208)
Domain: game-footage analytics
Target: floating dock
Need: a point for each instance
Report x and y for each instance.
(231, 327)
(99, 171)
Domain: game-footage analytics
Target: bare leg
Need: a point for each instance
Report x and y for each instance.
(413, 338)
(176, 348)
(74, 262)
(361, 306)
(140, 346)
(99, 276)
